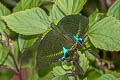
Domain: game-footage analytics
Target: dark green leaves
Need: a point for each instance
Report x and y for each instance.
(29, 22)
(71, 7)
(26, 4)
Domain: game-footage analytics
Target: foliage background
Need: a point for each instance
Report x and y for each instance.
(23, 13)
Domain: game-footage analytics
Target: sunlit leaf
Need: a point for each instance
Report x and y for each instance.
(58, 70)
(26, 4)
(70, 6)
(56, 14)
(29, 22)
(84, 63)
(3, 12)
(95, 17)
(105, 34)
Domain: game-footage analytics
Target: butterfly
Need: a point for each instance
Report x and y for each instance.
(69, 30)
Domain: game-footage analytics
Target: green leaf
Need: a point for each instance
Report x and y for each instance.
(114, 10)
(56, 14)
(84, 63)
(58, 70)
(2, 26)
(105, 34)
(30, 54)
(71, 78)
(26, 4)
(95, 17)
(61, 77)
(93, 74)
(89, 56)
(6, 74)
(9, 62)
(3, 12)
(29, 22)
(85, 78)
(117, 79)
(67, 65)
(107, 77)
(78, 5)
(35, 77)
(26, 41)
(11, 3)
(45, 74)
(115, 73)
(70, 6)
(3, 53)
(15, 49)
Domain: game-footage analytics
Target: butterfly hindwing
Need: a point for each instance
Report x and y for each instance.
(49, 48)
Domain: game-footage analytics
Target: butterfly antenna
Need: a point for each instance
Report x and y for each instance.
(90, 51)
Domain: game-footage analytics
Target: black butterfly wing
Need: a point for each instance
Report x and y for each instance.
(50, 47)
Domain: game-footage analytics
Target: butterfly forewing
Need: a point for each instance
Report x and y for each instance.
(72, 24)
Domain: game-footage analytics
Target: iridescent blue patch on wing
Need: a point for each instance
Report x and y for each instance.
(65, 53)
(77, 39)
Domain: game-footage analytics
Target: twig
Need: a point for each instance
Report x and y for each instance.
(21, 58)
(11, 53)
(9, 68)
(109, 64)
(75, 76)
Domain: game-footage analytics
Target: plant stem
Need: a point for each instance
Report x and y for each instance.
(12, 56)
(75, 76)
(21, 58)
